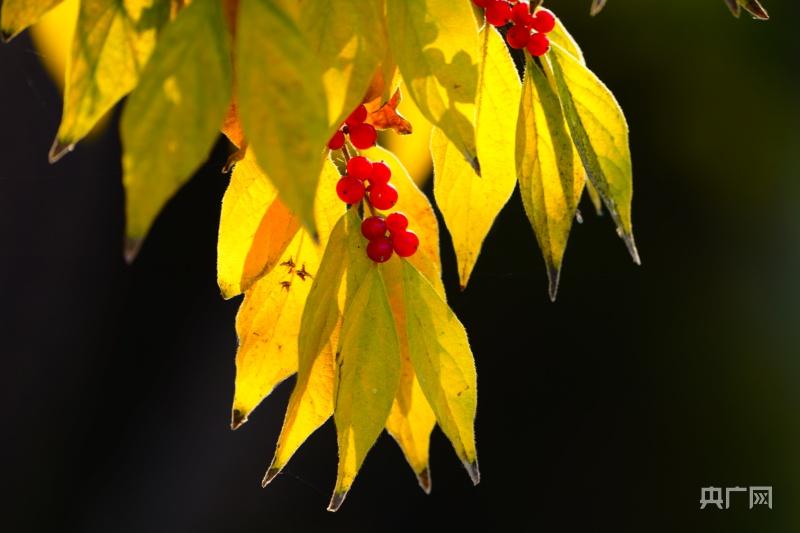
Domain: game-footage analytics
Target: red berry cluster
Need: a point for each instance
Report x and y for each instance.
(399, 239)
(528, 30)
(362, 135)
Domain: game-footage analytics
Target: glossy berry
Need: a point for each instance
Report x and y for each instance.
(379, 250)
(357, 117)
(396, 222)
(544, 21)
(405, 243)
(363, 136)
(382, 196)
(482, 3)
(337, 141)
(350, 190)
(373, 228)
(381, 173)
(498, 13)
(538, 44)
(359, 167)
(521, 14)
(518, 36)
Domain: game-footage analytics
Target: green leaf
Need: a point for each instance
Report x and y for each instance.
(442, 359)
(349, 39)
(282, 103)
(435, 45)
(469, 202)
(113, 42)
(550, 175)
(600, 134)
(367, 377)
(173, 117)
(16, 15)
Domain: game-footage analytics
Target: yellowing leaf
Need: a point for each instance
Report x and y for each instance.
(349, 39)
(281, 102)
(600, 134)
(367, 377)
(254, 230)
(564, 39)
(469, 202)
(414, 149)
(435, 45)
(16, 15)
(384, 115)
(442, 359)
(52, 36)
(173, 117)
(114, 40)
(551, 177)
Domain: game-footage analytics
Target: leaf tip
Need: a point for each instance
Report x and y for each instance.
(272, 473)
(6, 35)
(131, 248)
(337, 500)
(424, 480)
(58, 150)
(553, 280)
(237, 419)
(473, 471)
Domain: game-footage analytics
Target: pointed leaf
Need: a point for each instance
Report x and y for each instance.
(113, 43)
(600, 134)
(173, 117)
(565, 40)
(469, 202)
(16, 15)
(281, 102)
(435, 45)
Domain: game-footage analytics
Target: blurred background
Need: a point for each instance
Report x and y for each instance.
(609, 409)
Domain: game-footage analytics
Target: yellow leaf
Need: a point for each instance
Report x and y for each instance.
(367, 377)
(413, 150)
(469, 202)
(173, 117)
(600, 134)
(254, 230)
(442, 359)
(282, 103)
(435, 45)
(113, 43)
(563, 38)
(16, 15)
(52, 36)
(349, 39)
(551, 177)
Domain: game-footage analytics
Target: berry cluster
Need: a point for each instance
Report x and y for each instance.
(528, 30)
(362, 135)
(399, 239)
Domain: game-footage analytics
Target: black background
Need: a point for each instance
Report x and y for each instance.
(608, 409)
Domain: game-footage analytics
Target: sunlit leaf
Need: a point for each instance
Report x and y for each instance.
(16, 15)
(173, 117)
(281, 102)
(114, 42)
(385, 116)
(435, 45)
(565, 40)
(469, 202)
(600, 134)
(412, 150)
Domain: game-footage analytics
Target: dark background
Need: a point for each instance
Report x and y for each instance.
(608, 409)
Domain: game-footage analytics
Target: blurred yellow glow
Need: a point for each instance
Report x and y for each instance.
(52, 37)
(413, 150)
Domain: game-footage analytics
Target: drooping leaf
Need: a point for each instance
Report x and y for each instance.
(551, 176)
(281, 102)
(367, 377)
(173, 117)
(565, 40)
(600, 135)
(16, 15)
(349, 39)
(442, 359)
(113, 43)
(469, 202)
(435, 45)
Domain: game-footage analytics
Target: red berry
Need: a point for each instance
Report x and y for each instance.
(381, 173)
(350, 190)
(482, 3)
(538, 45)
(359, 167)
(373, 228)
(518, 36)
(363, 136)
(379, 250)
(544, 21)
(396, 222)
(357, 117)
(382, 196)
(405, 243)
(337, 141)
(498, 13)
(521, 14)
